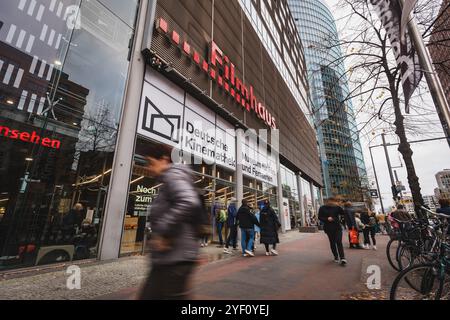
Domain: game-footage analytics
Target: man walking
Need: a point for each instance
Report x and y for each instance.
(330, 214)
(247, 222)
(174, 221)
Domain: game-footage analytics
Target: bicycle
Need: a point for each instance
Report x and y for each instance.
(429, 280)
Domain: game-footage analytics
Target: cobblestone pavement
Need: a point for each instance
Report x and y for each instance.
(100, 278)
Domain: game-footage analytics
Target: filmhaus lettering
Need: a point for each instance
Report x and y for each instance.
(207, 144)
(223, 72)
(29, 137)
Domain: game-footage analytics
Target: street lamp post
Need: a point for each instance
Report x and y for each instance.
(388, 161)
(376, 180)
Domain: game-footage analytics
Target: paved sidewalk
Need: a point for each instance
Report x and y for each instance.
(102, 278)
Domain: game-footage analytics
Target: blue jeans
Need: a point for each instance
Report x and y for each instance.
(247, 238)
(219, 232)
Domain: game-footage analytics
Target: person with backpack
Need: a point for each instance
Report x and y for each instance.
(174, 222)
(247, 221)
(370, 224)
(232, 226)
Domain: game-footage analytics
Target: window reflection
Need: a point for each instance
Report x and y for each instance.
(63, 66)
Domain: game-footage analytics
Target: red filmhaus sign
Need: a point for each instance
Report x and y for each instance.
(223, 72)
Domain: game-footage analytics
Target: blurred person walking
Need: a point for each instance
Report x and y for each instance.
(174, 217)
(269, 224)
(247, 222)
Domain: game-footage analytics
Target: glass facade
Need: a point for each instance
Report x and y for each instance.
(343, 167)
(63, 70)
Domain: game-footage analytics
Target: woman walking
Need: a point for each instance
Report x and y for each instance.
(370, 223)
(269, 225)
(330, 214)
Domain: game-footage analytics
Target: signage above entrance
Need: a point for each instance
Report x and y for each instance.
(223, 72)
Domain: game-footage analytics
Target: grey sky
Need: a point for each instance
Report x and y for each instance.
(428, 157)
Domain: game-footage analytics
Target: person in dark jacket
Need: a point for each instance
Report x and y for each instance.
(269, 225)
(247, 221)
(232, 225)
(349, 218)
(174, 218)
(330, 214)
(369, 220)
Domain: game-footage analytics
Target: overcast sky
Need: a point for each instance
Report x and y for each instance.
(428, 157)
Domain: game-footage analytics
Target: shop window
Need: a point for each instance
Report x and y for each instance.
(60, 104)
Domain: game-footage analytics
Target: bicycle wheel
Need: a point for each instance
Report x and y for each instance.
(419, 282)
(391, 252)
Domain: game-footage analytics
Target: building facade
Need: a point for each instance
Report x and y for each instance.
(85, 89)
(343, 167)
(443, 181)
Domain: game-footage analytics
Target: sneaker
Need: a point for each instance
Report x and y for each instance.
(202, 245)
(245, 255)
(249, 253)
(226, 250)
(274, 252)
(366, 246)
(206, 244)
(336, 260)
(374, 247)
(267, 253)
(343, 262)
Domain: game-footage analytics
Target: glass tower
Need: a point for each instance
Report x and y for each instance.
(343, 168)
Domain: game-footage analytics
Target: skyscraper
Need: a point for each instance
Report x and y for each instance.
(343, 168)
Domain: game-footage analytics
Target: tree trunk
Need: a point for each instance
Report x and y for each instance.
(405, 149)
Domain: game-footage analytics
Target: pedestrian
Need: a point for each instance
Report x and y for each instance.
(349, 218)
(232, 225)
(269, 224)
(330, 214)
(257, 214)
(370, 223)
(174, 223)
(247, 222)
(205, 225)
(221, 220)
(381, 218)
(359, 226)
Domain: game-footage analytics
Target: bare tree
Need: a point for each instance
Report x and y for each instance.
(375, 80)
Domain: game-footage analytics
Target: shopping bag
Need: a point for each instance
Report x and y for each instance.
(353, 236)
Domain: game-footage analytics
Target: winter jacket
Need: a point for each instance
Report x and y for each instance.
(246, 218)
(349, 217)
(232, 215)
(334, 212)
(174, 216)
(269, 225)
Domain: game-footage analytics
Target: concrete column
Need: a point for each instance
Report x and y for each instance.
(313, 197)
(112, 226)
(280, 196)
(239, 160)
(300, 198)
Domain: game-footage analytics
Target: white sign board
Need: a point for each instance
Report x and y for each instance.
(286, 214)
